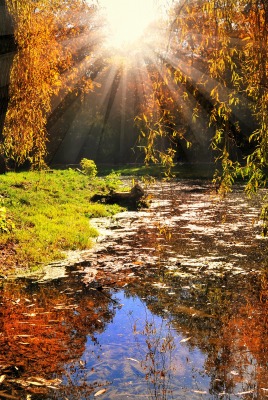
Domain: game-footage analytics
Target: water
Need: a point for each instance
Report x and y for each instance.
(171, 305)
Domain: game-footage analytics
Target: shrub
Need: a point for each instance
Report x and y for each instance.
(6, 224)
(88, 167)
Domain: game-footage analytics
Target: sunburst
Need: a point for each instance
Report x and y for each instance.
(127, 21)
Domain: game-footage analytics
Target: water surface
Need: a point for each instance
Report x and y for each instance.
(172, 304)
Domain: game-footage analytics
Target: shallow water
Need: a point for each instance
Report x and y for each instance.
(172, 304)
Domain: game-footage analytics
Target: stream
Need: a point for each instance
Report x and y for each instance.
(172, 303)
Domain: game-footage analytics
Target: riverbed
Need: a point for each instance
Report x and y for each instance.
(172, 303)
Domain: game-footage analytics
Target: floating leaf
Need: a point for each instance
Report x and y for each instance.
(247, 392)
(23, 336)
(29, 314)
(133, 359)
(35, 383)
(199, 391)
(100, 392)
(161, 285)
(234, 373)
(186, 339)
(38, 381)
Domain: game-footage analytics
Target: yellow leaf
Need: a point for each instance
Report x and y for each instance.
(100, 392)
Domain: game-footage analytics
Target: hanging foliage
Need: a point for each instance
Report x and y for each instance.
(218, 52)
(161, 119)
(37, 73)
(217, 62)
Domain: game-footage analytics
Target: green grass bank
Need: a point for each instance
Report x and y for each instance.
(43, 214)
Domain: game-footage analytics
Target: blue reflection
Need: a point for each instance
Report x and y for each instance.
(140, 352)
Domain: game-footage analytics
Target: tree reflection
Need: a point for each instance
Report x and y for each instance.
(44, 327)
(243, 360)
(226, 319)
(157, 346)
(222, 306)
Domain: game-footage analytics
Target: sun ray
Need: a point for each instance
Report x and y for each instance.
(128, 73)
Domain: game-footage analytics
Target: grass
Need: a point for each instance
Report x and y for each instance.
(180, 170)
(51, 213)
(44, 214)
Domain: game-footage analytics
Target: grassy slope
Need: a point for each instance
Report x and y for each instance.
(51, 212)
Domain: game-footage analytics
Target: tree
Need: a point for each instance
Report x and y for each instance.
(218, 53)
(44, 64)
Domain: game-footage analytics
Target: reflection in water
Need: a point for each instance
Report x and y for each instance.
(158, 359)
(177, 309)
(44, 326)
(139, 353)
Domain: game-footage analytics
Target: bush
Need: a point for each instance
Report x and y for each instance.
(88, 167)
(6, 224)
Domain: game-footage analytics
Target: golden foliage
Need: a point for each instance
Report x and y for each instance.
(40, 28)
(218, 53)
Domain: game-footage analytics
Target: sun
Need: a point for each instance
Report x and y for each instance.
(127, 20)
